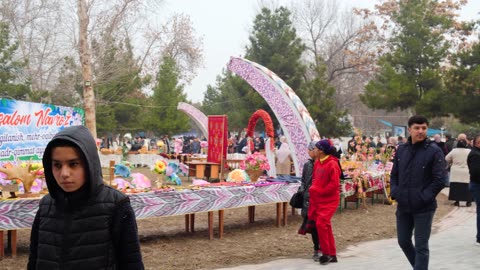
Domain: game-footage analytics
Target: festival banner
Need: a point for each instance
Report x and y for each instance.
(27, 127)
(217, 138)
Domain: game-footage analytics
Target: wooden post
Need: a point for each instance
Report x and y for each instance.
(192, 223)
(210, 225)
(279, 207)
(220, 223)
(2, 247)
(12, 242)
(111, 172)
(187, 223)
(251, 214)
(284, 214)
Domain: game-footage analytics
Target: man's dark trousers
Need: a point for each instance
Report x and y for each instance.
(417, 255)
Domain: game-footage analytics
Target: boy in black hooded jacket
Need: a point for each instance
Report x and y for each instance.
(81, 223)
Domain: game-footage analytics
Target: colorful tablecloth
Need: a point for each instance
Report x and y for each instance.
(19, 213)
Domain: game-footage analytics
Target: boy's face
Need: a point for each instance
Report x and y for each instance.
(68, 168)
(418, 132)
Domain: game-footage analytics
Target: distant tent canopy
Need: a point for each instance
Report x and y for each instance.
(430, 131)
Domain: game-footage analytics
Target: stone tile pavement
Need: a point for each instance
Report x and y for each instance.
(452, 247)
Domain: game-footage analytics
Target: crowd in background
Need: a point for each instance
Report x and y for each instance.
(164, 144)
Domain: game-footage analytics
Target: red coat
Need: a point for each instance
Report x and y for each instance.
(326, 182)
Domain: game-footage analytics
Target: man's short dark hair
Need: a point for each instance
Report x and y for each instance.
(417, 119)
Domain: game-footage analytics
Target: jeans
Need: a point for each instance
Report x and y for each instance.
(475, 189)
(417, 255)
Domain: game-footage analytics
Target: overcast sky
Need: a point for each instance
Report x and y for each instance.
(224, 26)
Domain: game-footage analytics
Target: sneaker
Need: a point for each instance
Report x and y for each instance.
(469, 204)
(325, 259)
(456, 203)
(477, 243)
(316, 256)
(334, 259)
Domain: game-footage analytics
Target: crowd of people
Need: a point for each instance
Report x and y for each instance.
(78, 198)
(164, 144)
(422, 167)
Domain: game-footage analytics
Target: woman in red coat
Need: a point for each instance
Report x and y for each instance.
(324, 198)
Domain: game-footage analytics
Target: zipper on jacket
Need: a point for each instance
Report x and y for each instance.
(66, 232)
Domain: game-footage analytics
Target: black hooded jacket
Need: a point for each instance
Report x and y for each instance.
(91, 228)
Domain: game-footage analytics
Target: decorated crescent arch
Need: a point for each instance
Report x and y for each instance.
(293, 116)
(196, 115)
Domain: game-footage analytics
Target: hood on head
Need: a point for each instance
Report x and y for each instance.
(81, 137)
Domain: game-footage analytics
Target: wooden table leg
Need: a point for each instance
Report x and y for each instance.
(279, 206)
(251, 214)
(2, 247)
(220, 223)
(187, 223)
(210, 225)
(192, 223)
(284, 214)
(12, 242)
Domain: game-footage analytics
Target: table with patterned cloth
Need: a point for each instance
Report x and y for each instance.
(350, 189)
(134, 159)
(20, 213)
(105, 159)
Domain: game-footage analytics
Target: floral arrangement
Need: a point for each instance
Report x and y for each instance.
(386, 154)
(160, 167)
(255, 161)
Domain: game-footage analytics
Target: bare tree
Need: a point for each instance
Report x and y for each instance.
(85, 61)
(36, 25)
(52, 32)
(176, 39)
(348, 45)
(106, 21)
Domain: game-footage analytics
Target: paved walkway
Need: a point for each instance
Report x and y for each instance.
(452, 246)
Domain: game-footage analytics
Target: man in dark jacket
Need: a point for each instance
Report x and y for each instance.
(417, 177)
(81, 224)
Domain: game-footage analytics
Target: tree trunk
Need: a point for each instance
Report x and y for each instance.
(85, 61)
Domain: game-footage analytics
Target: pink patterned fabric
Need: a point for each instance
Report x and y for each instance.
(196, 115)
(19, 213)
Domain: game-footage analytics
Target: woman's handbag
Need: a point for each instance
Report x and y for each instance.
(297, 200)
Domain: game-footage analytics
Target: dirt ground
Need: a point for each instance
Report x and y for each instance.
(166, 245)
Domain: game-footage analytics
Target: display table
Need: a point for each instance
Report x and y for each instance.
(134, 159)
(19, 213)
(350, 189)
